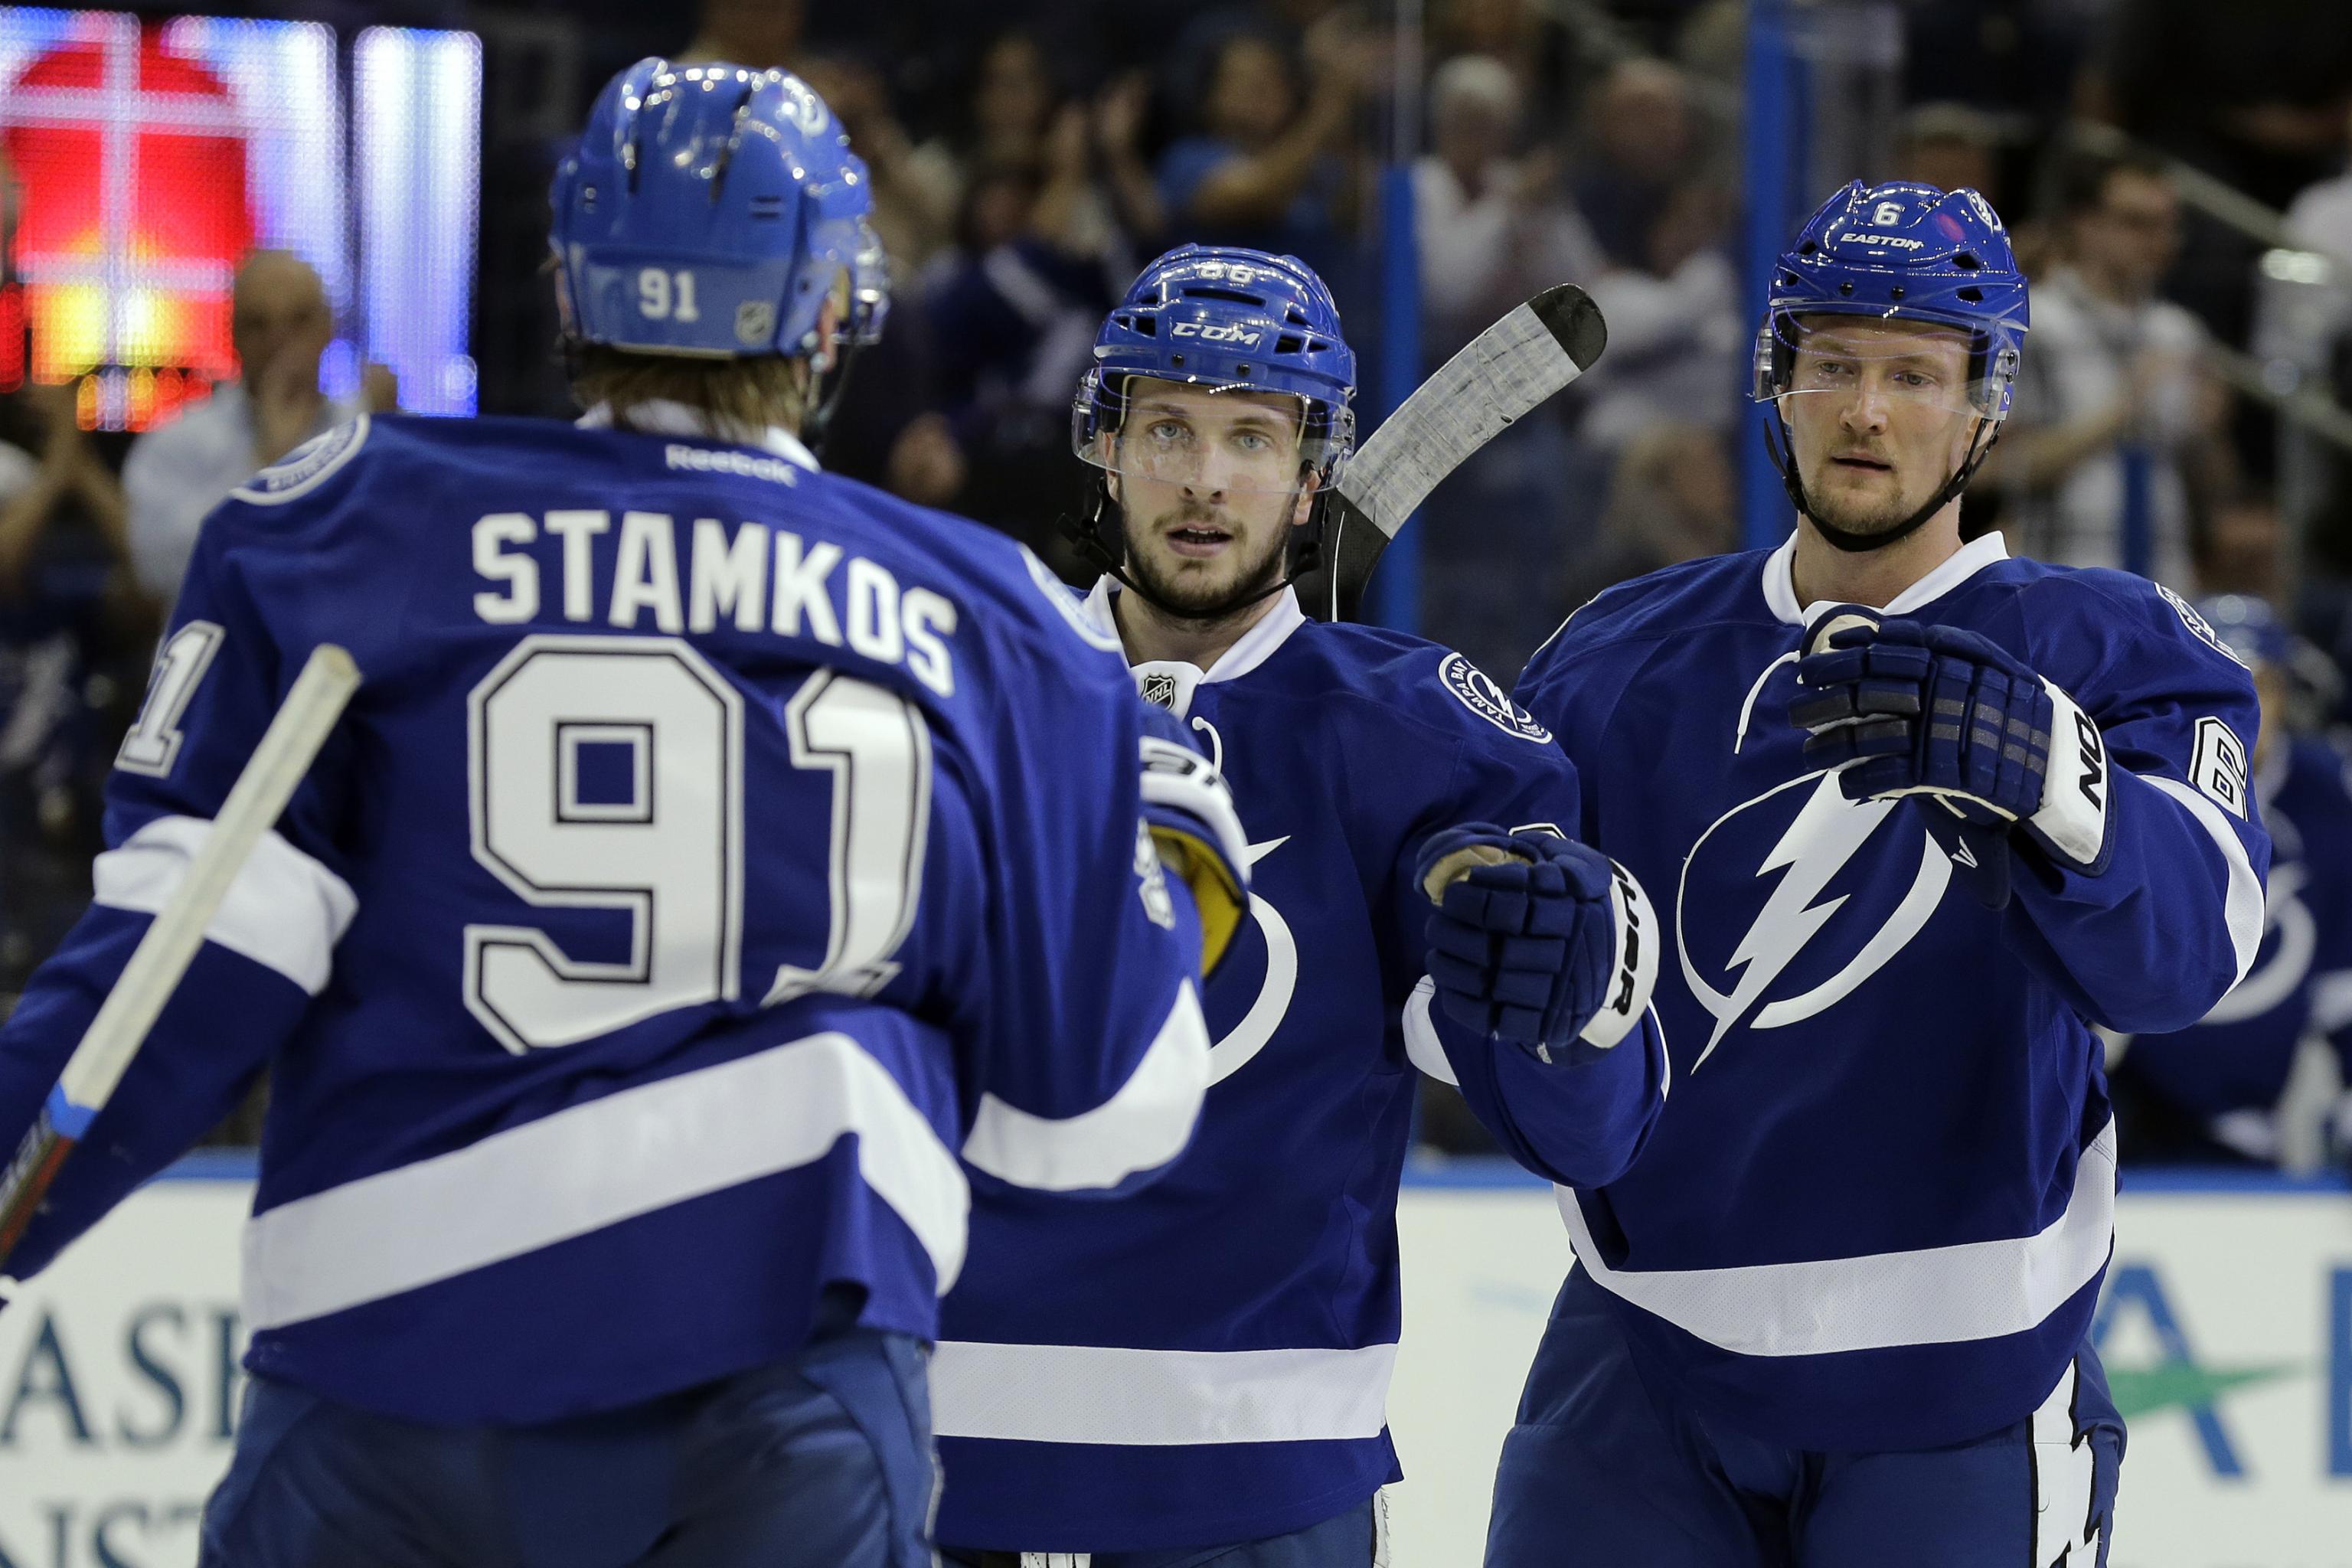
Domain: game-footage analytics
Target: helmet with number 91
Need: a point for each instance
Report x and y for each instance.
(1895, 253)
(709, 212)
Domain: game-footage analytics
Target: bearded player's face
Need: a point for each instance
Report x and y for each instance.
(1878, 418)
(1211, 485)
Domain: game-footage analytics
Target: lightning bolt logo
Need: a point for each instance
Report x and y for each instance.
(1827, 834)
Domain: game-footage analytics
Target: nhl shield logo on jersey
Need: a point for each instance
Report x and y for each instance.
(1484, 696)
(1791, 900)
(1158, 688)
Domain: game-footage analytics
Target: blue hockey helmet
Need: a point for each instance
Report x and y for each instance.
(710, 211)
(1231, 319)
(1901, 252)
(2249, 628)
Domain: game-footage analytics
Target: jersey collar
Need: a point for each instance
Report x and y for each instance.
(660, 416)
(1780, 583)
(1255, 646)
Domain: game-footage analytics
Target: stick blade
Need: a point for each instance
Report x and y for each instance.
(1502, 375)
(1574, 322)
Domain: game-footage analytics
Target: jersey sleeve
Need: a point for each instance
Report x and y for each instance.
(1580, 1118)
(1090, 1051)
(2175, 919)
(220, 676)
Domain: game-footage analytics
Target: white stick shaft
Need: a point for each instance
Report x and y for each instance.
(252, 809)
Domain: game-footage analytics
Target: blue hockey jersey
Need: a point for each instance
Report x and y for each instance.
(1879, 1203)
(2227, 1071)
(1209, 1363)
(716, 847)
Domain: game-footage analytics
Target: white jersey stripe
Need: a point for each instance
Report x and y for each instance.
(1936, 1295)
(595, 1165)
(285, 911)
(1142, 1127)
(1135, 1398)
(2242, 908)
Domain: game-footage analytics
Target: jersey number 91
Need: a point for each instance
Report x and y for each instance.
(608, 773)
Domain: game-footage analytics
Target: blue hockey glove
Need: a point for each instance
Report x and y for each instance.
(1537, 938)
(1906, 709)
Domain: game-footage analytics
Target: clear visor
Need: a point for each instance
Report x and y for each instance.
(1894, 362)
(1210, 440)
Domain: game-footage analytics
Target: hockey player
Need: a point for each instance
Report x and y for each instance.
(610, 1178)
(2213, 1092)
(1919, 814)
(1201, 1372)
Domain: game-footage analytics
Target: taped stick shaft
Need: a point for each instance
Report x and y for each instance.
(254, 805)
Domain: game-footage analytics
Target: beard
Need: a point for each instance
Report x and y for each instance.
(1203, 590)
(1866, 515)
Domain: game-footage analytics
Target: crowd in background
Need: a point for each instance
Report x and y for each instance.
(1023, 174)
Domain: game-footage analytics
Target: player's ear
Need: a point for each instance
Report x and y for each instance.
(1303, 507)
(829, 317)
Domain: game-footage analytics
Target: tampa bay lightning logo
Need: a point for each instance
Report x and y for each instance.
(1778, 878)
(305, 467)
(1485, 696)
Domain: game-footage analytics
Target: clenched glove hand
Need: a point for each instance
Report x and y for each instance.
(1537, 938)
(1988, 746)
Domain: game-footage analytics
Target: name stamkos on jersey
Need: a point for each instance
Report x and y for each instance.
(1479, 693)
(2219, 765)
(306, 468)
(2201, 627)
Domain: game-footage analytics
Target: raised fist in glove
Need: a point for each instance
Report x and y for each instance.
(1537, 938)
(1906, 709)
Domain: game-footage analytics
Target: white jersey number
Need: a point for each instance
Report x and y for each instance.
(154, 743)
(607, 774)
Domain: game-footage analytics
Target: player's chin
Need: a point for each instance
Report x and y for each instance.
(1861, 508)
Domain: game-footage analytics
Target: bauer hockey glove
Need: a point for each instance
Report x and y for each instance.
(1903, 708)
(1190, 816)
(1537, 938)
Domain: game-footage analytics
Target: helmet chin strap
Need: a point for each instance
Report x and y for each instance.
(1090, 532)
(1847, 540)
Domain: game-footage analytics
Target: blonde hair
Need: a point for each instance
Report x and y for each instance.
(739, 398)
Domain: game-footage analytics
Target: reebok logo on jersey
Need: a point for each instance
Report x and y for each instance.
(719, 460)
(1481, 695)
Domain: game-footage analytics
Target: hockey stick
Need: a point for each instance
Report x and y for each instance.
(1500, 377)
(163, 955)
